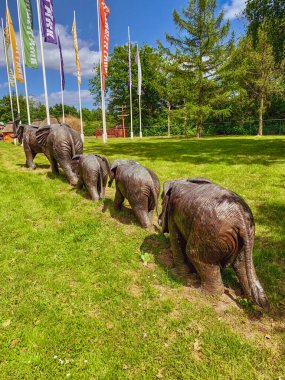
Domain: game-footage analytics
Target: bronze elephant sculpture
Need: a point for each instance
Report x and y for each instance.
(139, 185)
(210, 227)
(26, 135)
(93, 171)
(62, 143)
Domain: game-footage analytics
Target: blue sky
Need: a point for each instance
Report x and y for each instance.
(148, 20)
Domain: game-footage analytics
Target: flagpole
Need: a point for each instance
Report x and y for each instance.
(62, 90)
(105, 138)
(79, 95)
(13, 59)
(139, 92)
(43, 62)
(24, 63)
(8, 76)
(130, 84)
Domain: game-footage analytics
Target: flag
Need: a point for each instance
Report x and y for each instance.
(7, 44)
(75, 42)
(130, 60)
(61, 65)
(138, 62)
(48, 21)
(27, 26)
(16, 56)
(104, 12)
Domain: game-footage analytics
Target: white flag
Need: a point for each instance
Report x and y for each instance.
(138, 62)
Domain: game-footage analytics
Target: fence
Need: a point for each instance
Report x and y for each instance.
(270, 127)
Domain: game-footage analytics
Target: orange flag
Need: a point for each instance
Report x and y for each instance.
(75, 43)
(16, 55)
(105, 36)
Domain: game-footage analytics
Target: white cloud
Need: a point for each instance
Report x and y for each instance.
(88, 57)
(70, 98)
(234, 8)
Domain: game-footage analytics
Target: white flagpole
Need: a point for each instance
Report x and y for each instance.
(130, 84)
(140, 105)
(13, 59)
(24, 63)
(101, 77)
(8, 76)
(43, 62)
(79, 94)
(62, 95)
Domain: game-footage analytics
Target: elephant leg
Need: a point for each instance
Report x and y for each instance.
(80, 183)
(210, 274)
(142, 216)
(178, 245)
(54, 165)
(29, 158)
(92, 190)
(71, 176)
(119, 199)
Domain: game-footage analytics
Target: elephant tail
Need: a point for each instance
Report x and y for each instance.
(256, 292)
(155, 198)
(101, 175)
(73, 152)
(42, 135)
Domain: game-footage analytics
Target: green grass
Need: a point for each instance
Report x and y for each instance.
(77, 301)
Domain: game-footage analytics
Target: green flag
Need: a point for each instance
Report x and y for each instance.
(30, 47)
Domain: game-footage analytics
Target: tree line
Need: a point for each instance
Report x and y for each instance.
(205, 75)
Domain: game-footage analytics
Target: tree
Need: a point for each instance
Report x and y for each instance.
(269, 13)
(254, 73)
(117, 84)
(200, 50)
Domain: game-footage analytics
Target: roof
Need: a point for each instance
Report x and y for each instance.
(8, 128)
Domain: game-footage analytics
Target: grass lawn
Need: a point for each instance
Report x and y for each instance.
(76, 300)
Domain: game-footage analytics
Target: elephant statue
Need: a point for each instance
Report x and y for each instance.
(93, 171)
(210, 227)
(26, 135)
(62, 143)
(139, 185)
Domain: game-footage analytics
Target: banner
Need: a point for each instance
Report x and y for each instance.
(48, 21)
(75, 42)
(16, 56)
(30, 47)
(130, 60)
(105, 37)
(61, 65)
(138, 62)
(6, 50)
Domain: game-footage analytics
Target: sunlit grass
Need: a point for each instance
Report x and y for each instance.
(76, 300)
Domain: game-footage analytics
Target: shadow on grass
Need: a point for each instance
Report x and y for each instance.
(233, 151)
(158, 245)
(38, 166)
(124, 216)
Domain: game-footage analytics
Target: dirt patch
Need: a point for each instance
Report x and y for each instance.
(136, 290)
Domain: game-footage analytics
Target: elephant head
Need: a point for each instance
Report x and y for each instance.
(167, 188)
(114, 168)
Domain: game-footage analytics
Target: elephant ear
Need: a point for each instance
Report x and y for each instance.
(42, 135)
(199, 180)
(113, 170)
(163, 217)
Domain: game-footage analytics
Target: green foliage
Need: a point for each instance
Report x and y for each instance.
(76, 298)
(269, 14)
(117, 84)
(199, 51)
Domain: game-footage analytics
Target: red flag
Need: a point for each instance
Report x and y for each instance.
(105, 36)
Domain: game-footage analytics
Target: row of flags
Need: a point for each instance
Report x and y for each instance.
(47, 32)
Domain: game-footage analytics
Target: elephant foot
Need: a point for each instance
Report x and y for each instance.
(31, 166)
